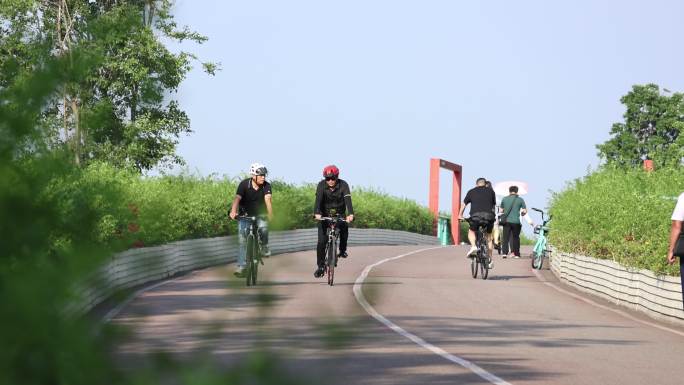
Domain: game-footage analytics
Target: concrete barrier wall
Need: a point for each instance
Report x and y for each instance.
(136, 267)
(658, 296)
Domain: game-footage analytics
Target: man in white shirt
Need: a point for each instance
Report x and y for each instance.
(677, 218)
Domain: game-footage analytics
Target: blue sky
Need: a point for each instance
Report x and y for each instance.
(519, 90)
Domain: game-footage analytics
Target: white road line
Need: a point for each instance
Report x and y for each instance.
(620, 312)
(361, 299)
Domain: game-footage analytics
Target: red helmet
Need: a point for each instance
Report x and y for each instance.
(331, 171)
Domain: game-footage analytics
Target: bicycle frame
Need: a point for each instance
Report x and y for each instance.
(539, 251)
(540, 245)
(482, 253)
(333, 234)
(481, 260)
(253, 257)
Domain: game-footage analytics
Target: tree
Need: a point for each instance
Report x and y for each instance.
(120, 111)
(652, 129)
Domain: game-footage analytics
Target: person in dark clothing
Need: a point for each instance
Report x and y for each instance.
(482, 201)
(252, 198)
(333, 199)
(513, 206)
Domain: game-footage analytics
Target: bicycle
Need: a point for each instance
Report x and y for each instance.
(540, 251)
(481, 260)
(333, 234)
(254, 256)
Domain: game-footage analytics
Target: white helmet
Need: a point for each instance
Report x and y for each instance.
(257, 169)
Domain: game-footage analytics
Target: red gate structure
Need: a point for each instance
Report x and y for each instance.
(433, 202)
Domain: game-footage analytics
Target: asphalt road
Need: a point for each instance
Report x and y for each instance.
(511, 328)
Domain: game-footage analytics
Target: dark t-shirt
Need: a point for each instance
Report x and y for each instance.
(252, 201)
(512, 205)
(335, 201)
(481, 199)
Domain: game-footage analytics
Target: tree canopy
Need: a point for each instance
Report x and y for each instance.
(121, 110)
(654, 122)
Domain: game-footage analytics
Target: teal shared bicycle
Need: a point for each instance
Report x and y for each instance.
(540, 250)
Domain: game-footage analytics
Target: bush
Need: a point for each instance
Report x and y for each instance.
(134, 211)
(619, 215)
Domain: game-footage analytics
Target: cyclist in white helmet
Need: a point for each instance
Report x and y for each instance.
(253, 198)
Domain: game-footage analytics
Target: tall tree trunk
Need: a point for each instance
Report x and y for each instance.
(149, 15)
(61, 51)
(134, 102)
(77, 132)
(65, 121)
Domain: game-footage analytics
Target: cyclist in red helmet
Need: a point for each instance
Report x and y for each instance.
(333, 198)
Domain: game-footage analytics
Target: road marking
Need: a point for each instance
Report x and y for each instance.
(590, 302)
(361, 299)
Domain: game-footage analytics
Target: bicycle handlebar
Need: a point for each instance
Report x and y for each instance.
(337, 219)
(251, 218)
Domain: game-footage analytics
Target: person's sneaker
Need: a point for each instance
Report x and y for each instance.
(342, 255)
(239, 272)
(516, 256)
(266, 251)
(319, 272)
(472, 252)
(504, 256)
(490, 265)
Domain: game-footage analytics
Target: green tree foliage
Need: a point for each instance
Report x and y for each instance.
(119, 111)
(651, 130)
(52, 214)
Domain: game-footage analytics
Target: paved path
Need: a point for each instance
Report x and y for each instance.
(512, 326)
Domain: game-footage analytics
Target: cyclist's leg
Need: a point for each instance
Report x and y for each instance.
(495, 235)
(472, 237)
(344, 235)
(490, 237)
(490, 246)
(243, 228)
(320, 246)
(263, 235)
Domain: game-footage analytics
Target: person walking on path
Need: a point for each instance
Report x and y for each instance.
(512, 207)
(675, 234)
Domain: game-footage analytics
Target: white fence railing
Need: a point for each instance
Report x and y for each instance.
(136, 267)
(658, 296)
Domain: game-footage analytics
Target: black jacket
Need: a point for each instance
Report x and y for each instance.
(333, 201)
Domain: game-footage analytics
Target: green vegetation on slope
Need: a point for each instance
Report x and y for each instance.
(623, 215)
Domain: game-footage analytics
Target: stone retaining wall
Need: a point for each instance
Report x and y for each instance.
(658, 296)
(137, 267)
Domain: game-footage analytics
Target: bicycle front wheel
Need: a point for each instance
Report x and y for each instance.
(255, 268)
(538, 260)
(331, 263)
(249, 259)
